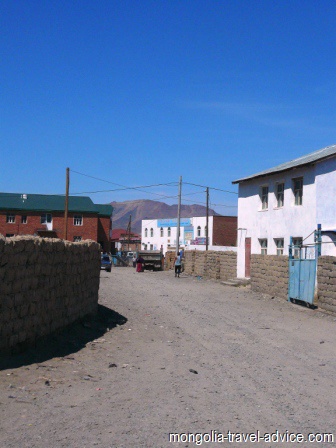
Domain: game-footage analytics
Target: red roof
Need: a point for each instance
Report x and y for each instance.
(121, 234)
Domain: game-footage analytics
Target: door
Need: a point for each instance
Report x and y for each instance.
(248, 257)
(302, 274)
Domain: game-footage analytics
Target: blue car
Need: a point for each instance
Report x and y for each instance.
(106, 263)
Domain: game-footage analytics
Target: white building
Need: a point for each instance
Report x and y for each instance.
(161, 233)
(289, 200)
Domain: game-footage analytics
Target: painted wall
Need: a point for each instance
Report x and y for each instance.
(188, 232)
(289, 220)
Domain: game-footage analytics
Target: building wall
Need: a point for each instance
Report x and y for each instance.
(290, 220)
(45, 284)
(93, 228)
(222, 232)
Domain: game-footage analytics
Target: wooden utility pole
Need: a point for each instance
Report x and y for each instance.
(66, 207)
(129, 232)
(207, 220)
(178, 218)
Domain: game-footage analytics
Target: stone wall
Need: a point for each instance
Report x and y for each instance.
(45, 284)
(210, 264)
(326, 283)
(269, 275)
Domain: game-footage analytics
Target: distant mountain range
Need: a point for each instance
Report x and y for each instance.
(147, 209)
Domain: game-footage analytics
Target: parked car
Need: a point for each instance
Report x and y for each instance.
(106, 263)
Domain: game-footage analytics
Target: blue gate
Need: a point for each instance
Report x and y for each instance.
(302, 270)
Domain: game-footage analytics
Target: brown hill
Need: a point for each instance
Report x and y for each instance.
(147, 209)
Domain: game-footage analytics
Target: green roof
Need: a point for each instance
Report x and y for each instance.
(51, 203)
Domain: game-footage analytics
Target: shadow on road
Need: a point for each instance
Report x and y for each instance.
(66, 341)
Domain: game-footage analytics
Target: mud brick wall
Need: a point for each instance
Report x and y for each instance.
(269, 274)
(217, 265)
(326, 283)
(228, 265)
(45, 285)
(169, 260)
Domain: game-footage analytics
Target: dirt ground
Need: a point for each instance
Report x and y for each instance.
(181, 355)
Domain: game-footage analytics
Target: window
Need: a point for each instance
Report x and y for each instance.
(9, 235)
(77, 238)
(298, 190)
(24, 219)
(263, 246)
(280, 188)
(169, 231)
(205, 230)
(146, 233)
(264, 198)
(46, 218)
(151, 247)
(145, 246)
(78, 220)
(297, 243)
(199, 231)
(151, 233)
(161, 231)
(279, 242)
(10, 218)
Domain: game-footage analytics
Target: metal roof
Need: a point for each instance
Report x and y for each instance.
(308, 159)
(51, 203)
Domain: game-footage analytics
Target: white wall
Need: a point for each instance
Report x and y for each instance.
(290, 220)
(170, 242)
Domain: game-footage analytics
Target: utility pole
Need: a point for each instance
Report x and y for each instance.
(178, 217)
(207, 220)
(66, 206)
(129, 232)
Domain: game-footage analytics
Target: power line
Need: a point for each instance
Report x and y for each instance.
(211, 188)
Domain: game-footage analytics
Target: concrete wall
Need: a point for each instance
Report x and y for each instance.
(211, 264)
(269, 275)
(45, 284)
(326, 283)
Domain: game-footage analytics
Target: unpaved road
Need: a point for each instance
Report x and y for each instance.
(262, 364)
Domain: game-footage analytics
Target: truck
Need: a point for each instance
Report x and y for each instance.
(153, 259)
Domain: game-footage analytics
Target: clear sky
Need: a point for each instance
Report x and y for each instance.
(142, 92)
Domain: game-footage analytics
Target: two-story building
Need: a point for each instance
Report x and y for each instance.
(289, 200)
(43, 215)
(162, 233)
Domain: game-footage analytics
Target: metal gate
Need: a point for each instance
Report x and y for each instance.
(302, 270)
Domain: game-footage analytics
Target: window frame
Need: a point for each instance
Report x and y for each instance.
(279, 248)
(198, 230)
(169, 232)
(24, 219)
(263, 247)
(77, 239)
(298, 192)
(280, 194)
(264, 195)
(161, 232)
(76, 219)
(146, 232)
(10, 218)
(151, 232)
(47, 215)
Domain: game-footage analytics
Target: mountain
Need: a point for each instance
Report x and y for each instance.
(147, 209)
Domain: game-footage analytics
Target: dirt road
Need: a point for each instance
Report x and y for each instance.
(182, 355)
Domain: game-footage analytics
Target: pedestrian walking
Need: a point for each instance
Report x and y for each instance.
(177, 265)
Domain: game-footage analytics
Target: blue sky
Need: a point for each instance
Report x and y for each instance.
(142, 92)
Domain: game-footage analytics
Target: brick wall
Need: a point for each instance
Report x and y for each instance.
(326, 281)
(224, 231)
(45, 284)
(269, 274)
(94, 228)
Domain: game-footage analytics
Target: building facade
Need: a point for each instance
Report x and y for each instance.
(162, 233)
(43, 215)
(289, 200)
(123, 241)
